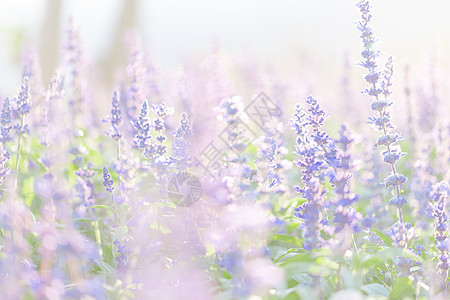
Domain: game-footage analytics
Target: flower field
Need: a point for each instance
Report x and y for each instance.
(226, 183)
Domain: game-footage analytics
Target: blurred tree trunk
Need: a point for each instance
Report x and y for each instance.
(117, 57)
(49, 49)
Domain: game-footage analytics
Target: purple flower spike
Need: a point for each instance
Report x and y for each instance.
(440, 197)
(107, 181)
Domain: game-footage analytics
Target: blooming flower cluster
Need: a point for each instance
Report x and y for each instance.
(315, 149)
(169, 203)
(380, 90)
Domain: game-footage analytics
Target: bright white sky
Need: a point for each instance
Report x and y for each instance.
(271, 29)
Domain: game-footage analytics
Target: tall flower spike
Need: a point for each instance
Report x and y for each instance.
(23, 107)
(312, 162)
(121, 255)
(182, 143)
(108, 184)
(4, 169)
(268, 163)
(440, 198)
(380, 86)
(344, 215)
(162, 111)
(316, 117)
(231, 110)
(107, 181)
(24, 99)
(5, 122)
(158, 151)
(116, 118)
(142, 126)
(84, 188)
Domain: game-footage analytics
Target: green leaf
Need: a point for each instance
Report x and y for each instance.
(304, 279)
(106, 268)
(381, 257)
(375, 289)
(372, 247)
(286, 253)
(313, 263)
(286, 294)
(102, 206)
(402, 288)
(286, 239)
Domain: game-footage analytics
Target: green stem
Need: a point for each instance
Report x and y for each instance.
(114, 206)
(98, 238)
(119, 181)
(18, 152)
(394, 170)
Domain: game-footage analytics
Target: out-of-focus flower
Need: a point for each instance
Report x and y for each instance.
(344, 214)
(107, 181)
(84, 188)
(440, 198)
(142, 126)
(121, 256)
(5, 122)
(182, 144)
(116, 118)
(23, 107)
(401, 233)
(372, 238)
(380, 90)
(315, 150)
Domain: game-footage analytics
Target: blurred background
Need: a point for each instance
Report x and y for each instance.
(280, 33)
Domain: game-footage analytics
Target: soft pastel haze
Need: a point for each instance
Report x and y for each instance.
(258, 150)
(277, 32)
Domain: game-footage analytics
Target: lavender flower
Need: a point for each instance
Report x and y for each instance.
(121, 255)
(84, 188)
(422, 186)
(440, 197)
(23, 107)
(403, 265)
(4, 169)
(269, 166)
(344, 215)
(157, 151)
(5, 128)
(380, 90)
(315, 118)
(418, 250)
(23, 101)
(5, 122)
(162, 111)
(401, 234)
(231, 110)
(116, 119)
(372, 238)
(142, 126)
(183, 140)
(107, 181)
(108, 184)
(312, 164)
